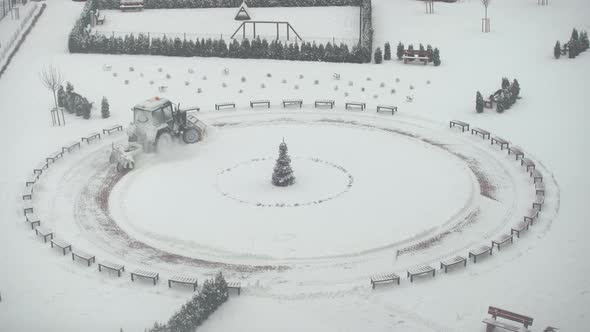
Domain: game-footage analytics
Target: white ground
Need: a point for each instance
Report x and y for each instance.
(388, 214)
(544, 275)
(339, 24)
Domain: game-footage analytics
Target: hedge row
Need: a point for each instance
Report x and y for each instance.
(156, 4)
(81, 42)
(256, 49)
(197, 309)
(367, 27)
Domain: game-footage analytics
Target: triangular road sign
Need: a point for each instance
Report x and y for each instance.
(243, 14)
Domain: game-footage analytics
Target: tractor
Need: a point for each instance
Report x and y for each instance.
(156, 122)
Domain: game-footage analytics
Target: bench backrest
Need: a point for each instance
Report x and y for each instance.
(425, 53)
(497, 312)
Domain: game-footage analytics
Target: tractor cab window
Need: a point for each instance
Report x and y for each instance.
(142, 116)
(167, 113)
(158, 117)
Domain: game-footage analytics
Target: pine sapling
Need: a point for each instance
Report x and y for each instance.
(387, 52)
(436, 57)
(104, 109)
(400, 51)
(378, 56)
(479, 103)
(557, 50)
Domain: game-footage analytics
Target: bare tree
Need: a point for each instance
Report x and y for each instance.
(52, 79)
(486, 3)
(486, 27)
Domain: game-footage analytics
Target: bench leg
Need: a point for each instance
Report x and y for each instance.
(169, 285)
(132, 277)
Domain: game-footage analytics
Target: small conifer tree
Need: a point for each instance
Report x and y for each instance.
(387, 52)
(400, 51)
(282, 175)
(557, 50)
(436, 57)
(479, 103)
(104, 108)
(378, 55)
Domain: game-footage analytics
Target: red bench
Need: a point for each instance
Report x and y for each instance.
(505, 314)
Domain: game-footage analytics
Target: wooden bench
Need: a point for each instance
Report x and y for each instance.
(531, 215)
(61, 244)
(44, 232)
(83, 256)
(183, 280)
(382, 278)
(476, 252)
(538, 202)
(113, 128)
(528, 164)
(536, 175)
(385, 108)
(351, 104)
(540, 188)
(28, 207)
(259, 102)
(323, 102)
(32, 179)
(28, 193)
(521, 226)
(423, 59)
(492, 323)
(32, 220)
(40, 167)
(54, 156)
(228, 104)
(162, 88)
(235, 285)
(145, 274)
(464, 126)
(516, 151)
(70, 146)
(502, 240)
(453, 261)
(111, 266)
(420, 271)
(478, 131)
(288, 102)
(131, 5)
(90, 137)
(500, 141)
(100, 18)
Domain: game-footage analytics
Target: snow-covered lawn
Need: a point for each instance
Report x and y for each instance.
(320, 24)
(544, 274)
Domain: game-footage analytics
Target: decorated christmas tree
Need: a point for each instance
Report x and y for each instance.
(282, 175)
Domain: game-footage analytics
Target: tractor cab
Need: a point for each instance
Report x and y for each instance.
(157, 122)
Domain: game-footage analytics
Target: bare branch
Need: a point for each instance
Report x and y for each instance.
(52, 79)
(485, 3)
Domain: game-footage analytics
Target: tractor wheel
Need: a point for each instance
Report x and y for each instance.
(163, 142)
(191, 135)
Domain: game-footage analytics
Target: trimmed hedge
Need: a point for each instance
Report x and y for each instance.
(158, 4)
(197, 309)
(81, 42)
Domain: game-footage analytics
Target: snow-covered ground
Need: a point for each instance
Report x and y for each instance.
(544, 274)
(339, 24)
